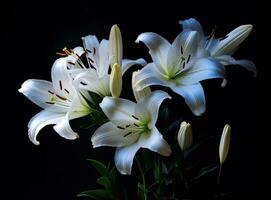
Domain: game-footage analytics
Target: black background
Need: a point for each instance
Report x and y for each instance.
(57, 169)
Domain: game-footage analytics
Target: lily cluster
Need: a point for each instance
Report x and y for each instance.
(181, 65)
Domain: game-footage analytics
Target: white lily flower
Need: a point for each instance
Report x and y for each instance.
(223, 48)
(96, 77)
(180, 66)
(131, 126)
(59, 99)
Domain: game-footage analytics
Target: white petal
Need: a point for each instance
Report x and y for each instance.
(202, 69)
(193, 96)
(124, 157)
(104, 58)
(90, 81)
(158, 47)
(110, 135)
(41, 120)
(188, 40)
(61, 79)
(153, 141)
(185, 46)
(64, 129)
(127, 63)
(156, 143)
(229, 60)
(152, 103)
(76, 53)
(150, 76)
(38, 91)
(91, 44)
(118, 110)
(228, 45)
(138, 94)
(192, 24)
(79, 106)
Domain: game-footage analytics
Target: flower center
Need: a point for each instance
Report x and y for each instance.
(135, 129)
(57, 99)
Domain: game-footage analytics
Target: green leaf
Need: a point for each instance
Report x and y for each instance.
(104, 181)
(100, 167)
(205, 170)
(156, 171)
(96, 100)
(164, 168)
(146, 160)
(95, 194)
(141, 190)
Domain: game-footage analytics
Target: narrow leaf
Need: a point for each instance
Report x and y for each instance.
(100, 167)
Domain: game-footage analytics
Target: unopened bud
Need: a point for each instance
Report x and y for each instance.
(116, 80)
(185, 137)
(224, 144)
(115, 46)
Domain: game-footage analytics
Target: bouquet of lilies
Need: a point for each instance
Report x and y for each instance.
(87, 83)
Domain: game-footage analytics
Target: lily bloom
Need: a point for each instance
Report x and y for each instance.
(180, 66)
(59, 99)
(131, 126)
(101, 75)
(222, 48)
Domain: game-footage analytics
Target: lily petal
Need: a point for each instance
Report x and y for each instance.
(124, 158)
(127, 63)
(61, 79)
(104, 58)
(152, 103)
(90, 81)
(229, 60)
(183, 49)
(228, 45)
(41, 120)
(202, 69)
(40, 92)
(139, 94)
(158, 47)
(110, 135)
(192, 24)
(156, 143)
(119, 111)
(91, 45)
(188, 41)
(150, 76)
(64, 129)
(193, 96)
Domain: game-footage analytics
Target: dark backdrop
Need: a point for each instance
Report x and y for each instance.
(57, 169)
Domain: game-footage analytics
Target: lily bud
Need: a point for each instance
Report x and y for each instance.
(232, 40)
(115, 46)
(224, 143)
(139, 94)
(116, 80)
(185, 137)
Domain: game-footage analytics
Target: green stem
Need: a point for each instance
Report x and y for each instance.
(219, 174)
(143, 178)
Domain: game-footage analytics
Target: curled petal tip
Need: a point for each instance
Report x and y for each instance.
(224, 83)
